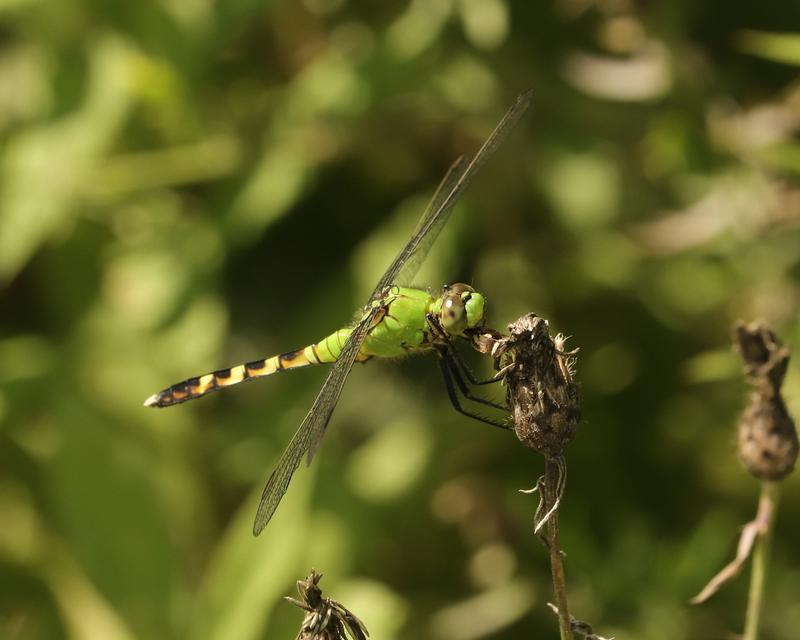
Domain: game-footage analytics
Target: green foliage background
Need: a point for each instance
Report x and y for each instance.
(185, 184)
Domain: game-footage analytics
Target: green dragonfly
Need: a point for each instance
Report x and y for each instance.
(396, 320)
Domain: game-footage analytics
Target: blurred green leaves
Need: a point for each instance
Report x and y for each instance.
(188, 184)
(245, 579)
(46, 170)
(390, 462)
(778, 47)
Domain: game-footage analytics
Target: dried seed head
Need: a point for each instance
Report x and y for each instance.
(539, 376)
(767, 438)
(325, 618)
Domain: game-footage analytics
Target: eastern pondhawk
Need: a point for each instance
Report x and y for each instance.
(396, 320)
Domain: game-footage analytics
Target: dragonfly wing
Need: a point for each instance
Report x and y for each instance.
(407, 263)
(309, 434)
(408, 260)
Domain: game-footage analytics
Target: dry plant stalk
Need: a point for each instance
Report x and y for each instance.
(542, 393)
(579, 627)
(325, 619)
(767, 448)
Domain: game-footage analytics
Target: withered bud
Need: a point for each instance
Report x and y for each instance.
(767, 438)
(540, 385)
(325, 618)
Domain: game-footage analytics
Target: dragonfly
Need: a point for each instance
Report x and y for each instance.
(396, 320)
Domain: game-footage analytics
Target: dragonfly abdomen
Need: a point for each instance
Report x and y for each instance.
(325, 351)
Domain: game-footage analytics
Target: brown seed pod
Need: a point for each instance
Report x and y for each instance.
(767, 438)
(540, 385)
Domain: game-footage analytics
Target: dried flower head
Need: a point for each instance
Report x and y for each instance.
(325, 619)
(767, 437)
(539, 377)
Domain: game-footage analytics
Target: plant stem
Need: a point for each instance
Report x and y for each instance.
(551, 479)
(767, 507)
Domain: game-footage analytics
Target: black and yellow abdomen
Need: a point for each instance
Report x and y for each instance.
(399, 329)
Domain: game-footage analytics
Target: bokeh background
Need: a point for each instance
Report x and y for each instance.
(187, 184)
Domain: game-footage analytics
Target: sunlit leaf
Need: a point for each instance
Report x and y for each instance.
(778, 47)
(46, 169)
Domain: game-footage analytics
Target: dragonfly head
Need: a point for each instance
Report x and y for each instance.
(462, 308)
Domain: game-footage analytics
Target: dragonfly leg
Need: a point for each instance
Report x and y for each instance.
(451, 392)
(459, 367)
(464, 368)
(465, 390)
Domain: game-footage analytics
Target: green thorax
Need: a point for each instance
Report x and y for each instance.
(402, 327)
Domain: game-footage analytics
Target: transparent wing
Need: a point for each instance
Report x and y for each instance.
(309, 434)
(447, 184)
(407, 263)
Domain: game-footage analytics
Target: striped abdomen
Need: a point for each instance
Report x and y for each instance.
(324, 351)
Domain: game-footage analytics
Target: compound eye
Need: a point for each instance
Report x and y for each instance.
(453, 314)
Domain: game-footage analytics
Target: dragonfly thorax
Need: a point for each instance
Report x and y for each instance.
(460, 308)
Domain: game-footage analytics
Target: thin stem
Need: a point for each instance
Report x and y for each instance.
(767, 507)
(552, 475)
